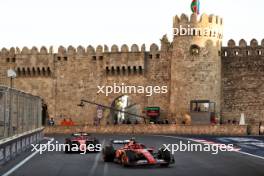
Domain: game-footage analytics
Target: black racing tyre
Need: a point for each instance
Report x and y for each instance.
(166, 156)
(128, 158)
(108, 154)
(68, 147)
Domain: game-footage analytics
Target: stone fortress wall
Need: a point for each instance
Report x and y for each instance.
(243, 79)
(62, 78)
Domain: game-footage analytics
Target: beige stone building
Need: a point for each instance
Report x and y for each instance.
(194, 66)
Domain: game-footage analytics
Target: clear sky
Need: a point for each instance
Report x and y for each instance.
(83, 22)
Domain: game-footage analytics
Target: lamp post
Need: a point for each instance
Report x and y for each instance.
(12, 75)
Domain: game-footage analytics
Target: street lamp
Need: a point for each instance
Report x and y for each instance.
(12, 75)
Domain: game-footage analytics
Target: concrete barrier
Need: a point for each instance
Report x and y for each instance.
(15, 145)
(221, 130)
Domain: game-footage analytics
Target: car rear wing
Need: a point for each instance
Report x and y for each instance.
(80, 134)
(120, 141)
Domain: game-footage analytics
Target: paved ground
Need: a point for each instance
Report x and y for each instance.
(187, 163)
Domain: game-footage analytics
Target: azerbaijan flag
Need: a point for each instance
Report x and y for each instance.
(195, 6)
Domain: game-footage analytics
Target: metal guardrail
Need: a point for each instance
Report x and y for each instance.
(19, 112)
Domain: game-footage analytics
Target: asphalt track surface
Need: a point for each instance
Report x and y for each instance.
(186, 163)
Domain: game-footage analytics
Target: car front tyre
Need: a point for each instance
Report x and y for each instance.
(166, 156)
(108, 154)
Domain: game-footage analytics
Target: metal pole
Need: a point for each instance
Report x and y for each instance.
(114, 109)
(4, 111)
(11, 82)
(10, 108)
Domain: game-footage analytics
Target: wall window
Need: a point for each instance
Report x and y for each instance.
(118, 70)
(140, 70)
(150, 56)
(112, 70)
(107, 70)
(194, 50)
(129, 69)
(123, 70)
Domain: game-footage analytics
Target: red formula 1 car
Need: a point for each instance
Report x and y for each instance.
(132, 153)
(82, 142)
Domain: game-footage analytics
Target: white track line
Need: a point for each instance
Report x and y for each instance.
(105, 169)
(245, 153)
(25, 160)
(96, 161)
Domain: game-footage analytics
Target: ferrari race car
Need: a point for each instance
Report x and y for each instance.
(131, 153)
(82, 142)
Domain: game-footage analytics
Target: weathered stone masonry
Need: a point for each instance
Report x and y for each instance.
(243, 79)
(231, 76)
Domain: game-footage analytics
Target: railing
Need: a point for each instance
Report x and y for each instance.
(19, 112)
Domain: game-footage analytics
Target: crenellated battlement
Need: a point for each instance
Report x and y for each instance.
(90, 50)
(43, 59)
(200, 26)
(25, 51)
(194, 19)
(36, 62)
(243, 49)
(80, 50)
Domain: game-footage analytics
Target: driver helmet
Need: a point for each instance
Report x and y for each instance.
(133, 140)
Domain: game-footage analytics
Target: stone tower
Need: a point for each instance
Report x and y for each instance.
(196, 61)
